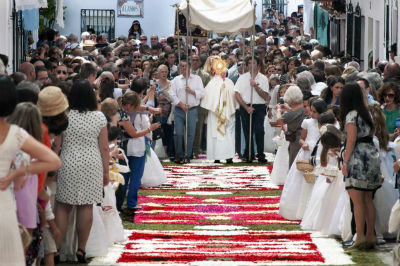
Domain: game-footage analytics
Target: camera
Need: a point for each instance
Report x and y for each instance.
(121, 81)
(135, 70)
(281, 101)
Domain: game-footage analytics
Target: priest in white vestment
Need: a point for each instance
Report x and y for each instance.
(220, 102)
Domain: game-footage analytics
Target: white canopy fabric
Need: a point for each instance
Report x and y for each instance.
(29, 4)
(220, 17)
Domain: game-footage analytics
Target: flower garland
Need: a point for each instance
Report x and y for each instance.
(221, 235)
(235, 246)
(206, 178)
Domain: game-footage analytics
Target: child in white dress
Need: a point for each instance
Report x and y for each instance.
(320, 186)
(281, 162)
(335, 202)
(386, 196)
(296, 191)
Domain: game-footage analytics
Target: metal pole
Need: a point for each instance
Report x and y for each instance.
(252, 88)
(187, 79)
(179, 45)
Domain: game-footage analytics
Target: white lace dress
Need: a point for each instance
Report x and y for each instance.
(296, 191)
(11, 250)
(314, 204)
(387, 195)
(280, 168)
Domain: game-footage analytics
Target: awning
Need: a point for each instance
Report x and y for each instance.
(220, 17)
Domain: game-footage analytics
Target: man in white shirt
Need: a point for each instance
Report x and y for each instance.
(243, 87)
(185, 99)
(201, 112)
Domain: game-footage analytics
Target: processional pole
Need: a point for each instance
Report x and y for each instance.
(179, 34)
(187, 78)
(253, 32)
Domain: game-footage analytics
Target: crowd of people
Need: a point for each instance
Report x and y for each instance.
(94, 109)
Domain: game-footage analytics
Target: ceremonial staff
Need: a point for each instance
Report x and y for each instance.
(187, 78)
(251, 77)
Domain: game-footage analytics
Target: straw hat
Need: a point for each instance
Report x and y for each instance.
(89, 43)
(52, 101)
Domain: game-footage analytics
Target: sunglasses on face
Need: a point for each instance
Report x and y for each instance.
(61, 71)
(388, 95)
(124, 55)
(136, 57)
(278, 69)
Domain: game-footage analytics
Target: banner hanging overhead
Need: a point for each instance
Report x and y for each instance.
(220, 17)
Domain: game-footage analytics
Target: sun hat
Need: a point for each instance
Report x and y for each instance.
(88, 43)
(52, 101)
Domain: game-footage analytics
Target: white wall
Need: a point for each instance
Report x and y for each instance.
(292, 5)
(6, 31)
(159, 16)
(373, 11)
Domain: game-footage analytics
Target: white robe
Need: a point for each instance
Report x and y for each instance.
(220, 139)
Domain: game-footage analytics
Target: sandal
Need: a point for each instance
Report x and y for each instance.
(81, 257)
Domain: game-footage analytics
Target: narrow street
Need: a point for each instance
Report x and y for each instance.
(219, 215)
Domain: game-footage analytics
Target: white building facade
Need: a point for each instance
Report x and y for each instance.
(6, 31)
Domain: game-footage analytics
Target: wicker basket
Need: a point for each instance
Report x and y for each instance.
(309, 177)
(304, 166)
(25, 236)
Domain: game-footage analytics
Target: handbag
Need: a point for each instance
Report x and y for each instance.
(123, 168)
(290, 137)
(136, 147)
(25, 236)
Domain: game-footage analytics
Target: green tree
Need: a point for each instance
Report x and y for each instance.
(47, 16)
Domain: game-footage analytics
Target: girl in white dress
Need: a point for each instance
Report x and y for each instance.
(335, 200)
(386, 196)
(320, 186)
(13, 139)
(270, 129)
(296, 191)
(281, 162)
